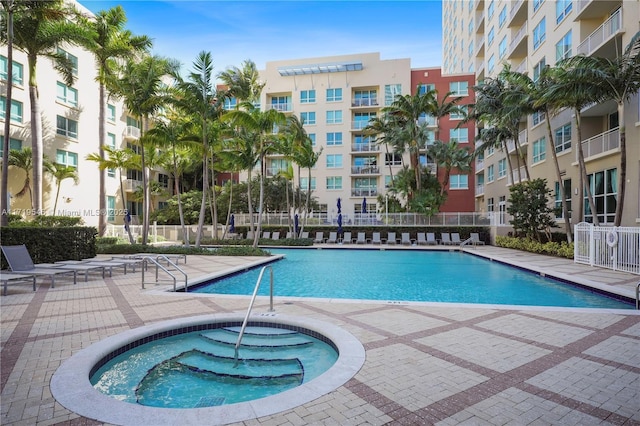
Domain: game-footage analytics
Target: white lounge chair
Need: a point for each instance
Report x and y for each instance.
(10, 277)
(20, 262)
(305, 234)
(275, 236)
(289, 235)
(406, 239)
(362, 239)
(475, 239)
(445, 238)
(346, 238)
(421, 239)
(455, 238)
(333, 238)
(266, 235)
(391, 238)
(319, 237)
(376, 238)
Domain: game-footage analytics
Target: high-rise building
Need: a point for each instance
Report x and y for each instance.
(480, 36)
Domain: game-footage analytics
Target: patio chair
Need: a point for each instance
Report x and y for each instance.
(10, 277)
(20, 262)
(362, 239)
(445, 238)
(319, 237)
(289, 235)
(275, 236)
(406, 239)
(333, 238)
(455, 238)
(421, 239)
(376, 238)
(305, 234)
(391, 238)
(475, 239)
(107, 264)
(266, 235)
(346, 238)
(431, 238)
(249, 235)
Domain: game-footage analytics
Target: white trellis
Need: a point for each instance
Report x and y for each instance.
(613, 247)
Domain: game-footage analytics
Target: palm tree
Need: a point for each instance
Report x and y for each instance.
(243, 83)
(142, 89)
(307, 158)
(39, 28)
(61, 172)
(109, 43)
(23, 160)
(450, 155)
(120, 160)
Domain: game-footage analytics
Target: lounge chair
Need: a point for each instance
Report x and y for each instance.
(275, 236)
(10, 277)
(406, 239)
(108, 265)
(362, 239)
(319, 237)
(249, 235)
(431, 238)
(305, 234)
(289, 235)
(445, 238)
(421, 239)
(175, 258)
(455, 238)
(20, 262)
(266, 235)
(333, 238)
(346, 238)
(391, 238)
(376, 238)
(475, 239)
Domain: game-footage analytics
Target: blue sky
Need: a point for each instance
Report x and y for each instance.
(277, 30)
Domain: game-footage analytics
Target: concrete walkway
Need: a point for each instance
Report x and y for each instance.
(426, 363)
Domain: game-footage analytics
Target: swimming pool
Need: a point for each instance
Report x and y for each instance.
(408, 275)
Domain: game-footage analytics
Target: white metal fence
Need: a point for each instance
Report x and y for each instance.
(616, 248)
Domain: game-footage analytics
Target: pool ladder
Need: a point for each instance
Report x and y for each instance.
(156, 262)
(253, 299)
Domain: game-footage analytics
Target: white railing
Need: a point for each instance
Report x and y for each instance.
(365, 147)
(365, 102)
(610, 247)
(130, 185)
(600, 144)
(518, 175)
(479, 189)
(364, 170)
(522, 67)
(514, 9)
(132, 132)
(359, 125)
(603, 33)
(517, 38)
(479, 164)
(286, 107)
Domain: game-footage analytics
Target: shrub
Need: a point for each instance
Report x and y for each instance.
(561, 249)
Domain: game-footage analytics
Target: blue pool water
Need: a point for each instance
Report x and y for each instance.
(404, 275)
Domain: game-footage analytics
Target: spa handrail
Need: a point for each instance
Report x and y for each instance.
(253, 299)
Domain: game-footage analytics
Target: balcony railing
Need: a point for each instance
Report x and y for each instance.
(367, 102)
(517, 38)
(522, 140)
(603, 33)
(429, 120)
(479, 190)
(479, 164)
(518, 175)
(287, 107)
(606, 142)
(132, 132)
(365, 170)
(130, 185)
(273, 171)
(364, 147)
(522, 67)
(364, 192)
(359, 125)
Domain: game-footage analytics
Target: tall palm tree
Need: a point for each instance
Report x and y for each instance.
(450, 156)
(61, 172)
(143, 91)
(39, 29)
(23, 160)
(109, 42)
(120, 160)
(307, 158)
(243, 83)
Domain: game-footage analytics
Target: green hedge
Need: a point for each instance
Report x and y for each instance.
(139, 248)
(551, 248)
(47, 245)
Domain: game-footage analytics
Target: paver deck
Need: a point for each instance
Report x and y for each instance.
(426, 363)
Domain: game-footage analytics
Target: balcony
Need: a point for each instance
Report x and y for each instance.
(364, 192)
(591, 9)
(366, 102)
(479, 22)
(131, 132)
(365, 147)
(602, 39)
(479, 164)
(429, 121)
(522, 141)
(518, 13)
(286, 107)
(600, 145)
(273, 171)
(518, 45)
(518, 175)
(359, 125)
(365, 170)
(522, 67)
(480, 45)
(131, 185)
(479, 190)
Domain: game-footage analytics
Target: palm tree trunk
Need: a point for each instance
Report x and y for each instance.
(176, 185)
(102, 137)
(146, 196)
(36, 137)
(214, 201)
(256, 237)
(509, 165)
(583, 171)
(622, 179)
(205, 182)
(4, 192)
(226, 225)
(563, 195)
(124, 204)
(249, 203)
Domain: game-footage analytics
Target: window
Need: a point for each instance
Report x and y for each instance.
(334, 138)
(426, 88)
(281, 103)
(392, 159)
(539, 34)
(539, 150)
(390, 93)
(558, 198)
(563, 47)
(312, 136)
(459, 88)
(459, 182)
(563, 7)
(66, 127)
(502, 168)
(334, 95)
(111, 113)
(471, 48)
(536, 4)
(562, 138)
(604, 187)
(73, 59)
(491, 63)
(67, 158)
(67, 95)
(133, 122)
(537, 117)
(111, 208)
(491, 10)
(308, 117)
(334, 117)
(307, 96)
(502, 47)
(491, 205)
(502, 17)
(471, 27)
(459, 135)
(361, 119)
(163, 180)
(304, 181)
(16, 109)
(491, 36)
(111, 142)
(388, 181)
(13, 144)
(18, 71)
(334, 182)
(365, 98)
(460, 114)
(230, 104)
(490, 173)
(537, 69)
(334, 161)
(134, 175)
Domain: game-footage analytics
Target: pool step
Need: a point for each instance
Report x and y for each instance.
(247, 368)
(279, 340)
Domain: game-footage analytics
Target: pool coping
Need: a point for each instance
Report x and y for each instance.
(71, 387)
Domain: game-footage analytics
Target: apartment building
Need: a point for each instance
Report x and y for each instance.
(480, 36)
(70, 133)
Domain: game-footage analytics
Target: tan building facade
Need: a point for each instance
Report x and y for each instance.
(480, 36)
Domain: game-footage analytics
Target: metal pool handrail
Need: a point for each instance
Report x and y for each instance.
(638, 296)
(253, 299)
